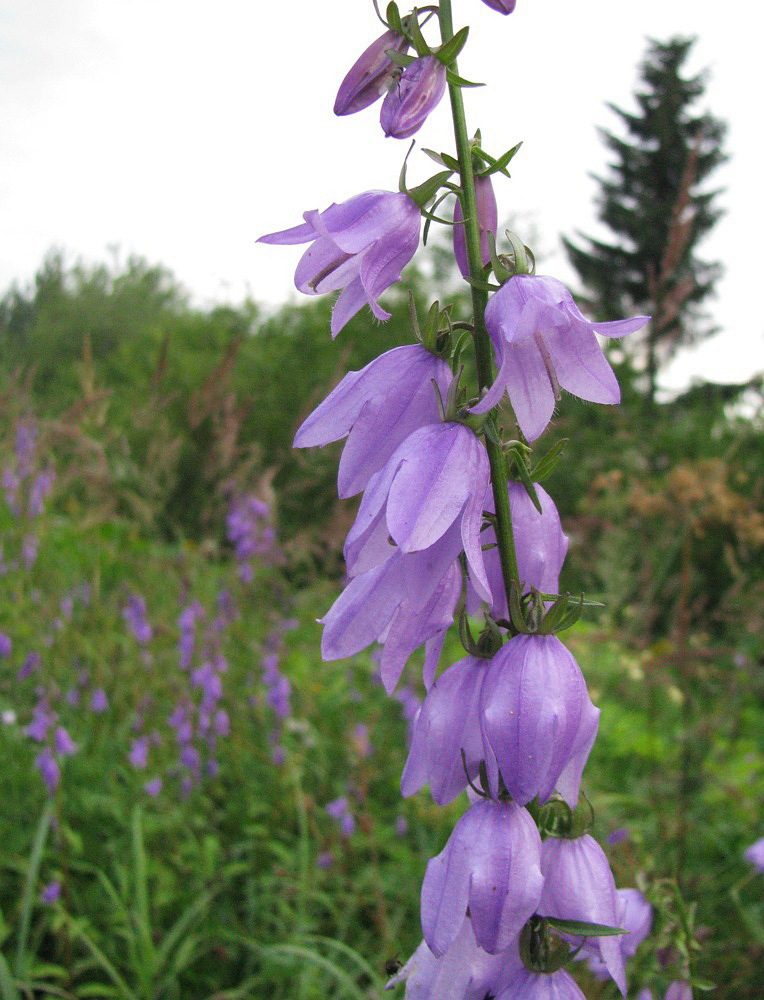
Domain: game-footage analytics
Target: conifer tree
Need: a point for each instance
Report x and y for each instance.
(658, 206)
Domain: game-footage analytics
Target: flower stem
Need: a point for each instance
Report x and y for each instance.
(504, 536)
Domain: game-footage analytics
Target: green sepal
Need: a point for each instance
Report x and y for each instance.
(573, 600)
(491, 433)
(555, 614)
(570, 618)
(414, 32)
(458, 81)
(525, 477)
(427, 190)
(516, 613)
(546, 465)
(431, 328)
(501, 273)
(581, 928)
(438, 157)
(457, 355)
(393, 16)
(400, 58)
(520, 252)
(414, 318)
(496, 166)
(449, 50)
(484, 286)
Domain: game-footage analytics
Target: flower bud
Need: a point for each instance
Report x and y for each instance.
(488, 222)
(419, 90)
(368, 78)
(502, 6)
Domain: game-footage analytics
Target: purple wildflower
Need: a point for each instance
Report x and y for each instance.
(6, 646)
(529, 985)
(65, 745)
(51, 893)
(618, 836)
(134, 613)
(679, 991)
(39, 492)
(370, 75)
(325, 860)
(153, 787)
(360, 740)
(634, 914)
(339, 809)
(98, 701)
(491, 865)
(418, 92)
(488, 222)
(29, 548)
(29, 666)
(501, 6)
(139, 753)
(401, 826)
(755, 855)
(377, 408)
(48, 767)
(542, 344)
(360, 246)
(43, 718)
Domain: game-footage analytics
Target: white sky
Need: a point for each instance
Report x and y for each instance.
(182, 130)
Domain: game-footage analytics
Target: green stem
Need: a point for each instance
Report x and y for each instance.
(504, 537)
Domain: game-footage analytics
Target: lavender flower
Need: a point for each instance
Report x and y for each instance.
(139, 753)
(31, 663)
(529, 985)
(755, 855)
(463, 972)
(679, 991)
(360, 246)
(378, 407)
(48, 767)
(501, 6)
(538, 722)
(578, 885)
(339, 809)
(542, 343)
(618, 836)
(634, 914)
(370, 75)
(418, 92)
(98, 701)
(488, 220)
(6, 646)
(51, 893)
(153, 787)
(134, 614)
(491, 865)
(39, 492)
(64, 744)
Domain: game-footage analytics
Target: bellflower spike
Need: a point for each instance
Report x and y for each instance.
(369, 77)
(360, 246)
(578, 885)
(488, 222)
(539, 724)
(542, 344)
(417, 93)
(448, 723)
(378, 407)
(491, 865)
(529, 985)
(464, 972)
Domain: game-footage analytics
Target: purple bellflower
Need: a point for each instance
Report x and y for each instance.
(491, 865)
(539, 724)
(463, 972)
(679, 991)
(543, 344)
(529, 985)
(377, 407)
(755, 855)
(488, 221)
(360, 246)
(578, 885)
(418, 92)
(635, 915)
(369, 77)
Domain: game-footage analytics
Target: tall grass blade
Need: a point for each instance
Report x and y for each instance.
(30, 886)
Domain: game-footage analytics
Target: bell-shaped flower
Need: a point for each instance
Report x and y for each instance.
(405, 602)
(491, 865)
(538, 721)
(360, 246)
(578, 885)
(369, 77)
(447, 725)
(463, 972)
(377, 408)
(540, 546)
(419, 90)
(543, 344)
(529, 985)
(635, 915)
(488, 222)
(435, 479)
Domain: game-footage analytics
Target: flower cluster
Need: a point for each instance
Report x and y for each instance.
(450, 526)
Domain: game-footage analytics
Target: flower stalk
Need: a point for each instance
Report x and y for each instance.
(504, 535)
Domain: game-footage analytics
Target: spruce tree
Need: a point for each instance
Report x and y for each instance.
(656, 203)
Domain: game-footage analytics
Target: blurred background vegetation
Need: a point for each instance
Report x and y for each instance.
(155, 411)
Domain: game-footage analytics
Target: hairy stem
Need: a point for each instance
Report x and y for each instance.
(481, 340)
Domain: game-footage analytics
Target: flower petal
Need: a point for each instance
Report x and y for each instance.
(580, 365)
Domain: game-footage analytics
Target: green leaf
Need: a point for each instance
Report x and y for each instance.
(427, 190)
(583, 929)
(458, 81)
(394, 17)
(8, 989)
(449, 51)
(496, 166)
(30, 886)
(434, 156)
(415, 34)
(525, 478)
(400, 58)
(546, 465)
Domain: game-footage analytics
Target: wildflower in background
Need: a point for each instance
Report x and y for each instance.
(153, 787)
(51, 893)
(40, 491)
(48, 767)
(543, 344)
(371, 74)
(401, 826)
(31, 664)
(6, 646)
(139, 753)
(98, 701)
(187, 625)
(134, 613)
(64, 744)
(8, 717)
(377, 408)
(619, 836)
(490, 864)
(488, 220)
(360, 740)
(325, 860)
(339, 809)
(29, 548)
(360, 246)
(417, 93)
(755, 855)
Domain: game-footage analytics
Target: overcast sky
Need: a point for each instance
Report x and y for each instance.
(181, 131)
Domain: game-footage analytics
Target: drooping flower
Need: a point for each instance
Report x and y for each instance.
(488, 222)
(538, 722)
(635, 915)
(529, 985)
(755, 855)
(463, 972)
(578, 885)
(377, 408)
(369, 77)
(491, 865)
(542, 344)
(417, 93)
(360, 246)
